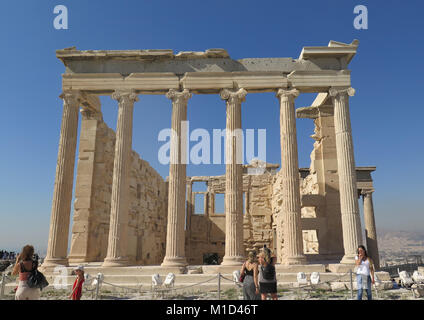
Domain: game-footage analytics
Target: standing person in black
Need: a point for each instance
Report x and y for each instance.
(267, 275)
(250, 282)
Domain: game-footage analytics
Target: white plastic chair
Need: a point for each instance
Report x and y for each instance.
(315, 278)
(236, 276)
(156, 281)
(301, 278)
(169, 280)
(418, 277)
(94, 282)
(405, 279)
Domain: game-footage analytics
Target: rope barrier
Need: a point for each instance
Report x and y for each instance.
(192, 285)
(10, 278)
(122, 287)
(89, 290)
(232, 280)
(310, 285)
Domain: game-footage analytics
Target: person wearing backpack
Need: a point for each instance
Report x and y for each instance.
(267, 276)
(24, 266)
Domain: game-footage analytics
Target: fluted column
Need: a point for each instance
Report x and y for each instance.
(175, 236)
(370, 229)
(234, 247)
(290, 222)
(189, 210)
(117, 243)
(62, 195)
(351, 222)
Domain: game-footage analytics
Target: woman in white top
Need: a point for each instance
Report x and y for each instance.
(365, 272)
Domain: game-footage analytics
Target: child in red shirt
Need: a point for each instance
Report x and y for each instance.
(77, 287)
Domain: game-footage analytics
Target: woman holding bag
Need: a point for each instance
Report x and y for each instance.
(24, 266)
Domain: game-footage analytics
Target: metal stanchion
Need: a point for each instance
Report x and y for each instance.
(3, 284)
(351, 285)
(98, 285)
(219, 285)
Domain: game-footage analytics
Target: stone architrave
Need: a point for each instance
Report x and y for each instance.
(290, 221)
(234, 246)
(351, 223)
(62, 195)
(117, 242)
(175, 239)
(370, 229)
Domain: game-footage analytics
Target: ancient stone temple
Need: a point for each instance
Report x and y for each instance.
(126, 214)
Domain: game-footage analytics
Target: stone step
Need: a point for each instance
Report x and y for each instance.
(132, 270)
(209, 269)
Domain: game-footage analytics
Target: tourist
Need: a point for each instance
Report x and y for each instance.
(364, 273)
(24, 265)
(77, 287)
(267, 276)
(250, 283)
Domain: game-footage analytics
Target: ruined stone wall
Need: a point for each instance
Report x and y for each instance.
(148, 214)
(147, 198)
(207, 231)
(258, 224)
(102, 190)
(323, 169)
(308, 186)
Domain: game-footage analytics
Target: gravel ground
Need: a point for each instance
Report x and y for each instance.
(230, 294)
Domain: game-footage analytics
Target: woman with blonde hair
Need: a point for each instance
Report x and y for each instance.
(24, 265)
(267, 275)
(249, 271)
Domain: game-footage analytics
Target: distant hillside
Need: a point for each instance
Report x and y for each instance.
(397, 244)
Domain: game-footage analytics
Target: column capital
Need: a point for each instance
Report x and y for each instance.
(233, 96)
(125, 96)
(365, 192)
(336, 91)
(178, 96)
(287, 93)
(69, 96)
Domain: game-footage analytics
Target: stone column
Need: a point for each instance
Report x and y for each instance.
(370, 229)
(117, 243)
(175, 236)
(290, 221)
(189, 210)
(62, 196)
(351, 222)
(84, 244)
(234, 246)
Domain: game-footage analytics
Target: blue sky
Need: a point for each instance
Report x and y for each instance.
(386, 112)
